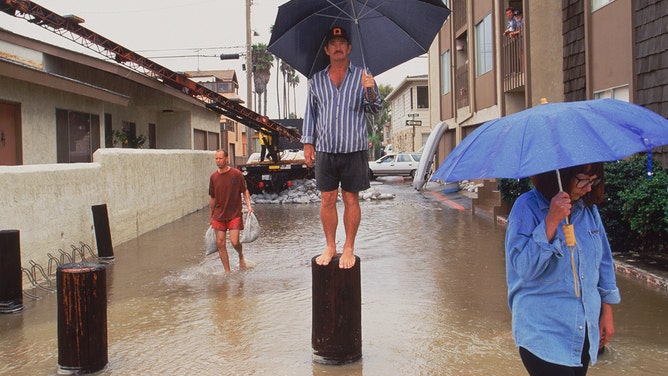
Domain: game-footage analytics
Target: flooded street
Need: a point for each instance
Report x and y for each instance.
(433, 301)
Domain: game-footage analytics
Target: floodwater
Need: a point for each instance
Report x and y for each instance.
(433, 301)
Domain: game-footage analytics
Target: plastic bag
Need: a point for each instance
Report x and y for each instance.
(210, 240)
(251, 229)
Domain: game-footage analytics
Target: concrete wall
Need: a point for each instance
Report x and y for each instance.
(144, 189)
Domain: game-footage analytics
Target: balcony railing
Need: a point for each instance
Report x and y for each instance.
(513, 62)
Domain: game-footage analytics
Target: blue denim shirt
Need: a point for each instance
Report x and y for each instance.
(335, 119)
(548, 318)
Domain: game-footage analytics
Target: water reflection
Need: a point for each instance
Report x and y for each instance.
(433, 301)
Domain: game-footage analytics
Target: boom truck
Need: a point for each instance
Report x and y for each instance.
(271, 176)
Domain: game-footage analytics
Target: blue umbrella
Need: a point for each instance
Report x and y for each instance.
(553, 136)
(384, 33)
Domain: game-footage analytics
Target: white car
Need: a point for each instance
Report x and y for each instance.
(400, 164)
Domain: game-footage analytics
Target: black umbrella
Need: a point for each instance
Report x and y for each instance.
(386, 33)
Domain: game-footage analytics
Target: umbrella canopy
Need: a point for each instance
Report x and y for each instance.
(384, 33)
(553, 136)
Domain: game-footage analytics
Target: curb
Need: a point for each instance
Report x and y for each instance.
(642, 275)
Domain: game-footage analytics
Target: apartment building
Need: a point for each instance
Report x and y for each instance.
(232, 133)
(410, 123)
(567, 50)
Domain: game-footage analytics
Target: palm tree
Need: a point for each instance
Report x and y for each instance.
(278, 96)
(284, 70)
(293, 80)
(263, 61)
(376, 122)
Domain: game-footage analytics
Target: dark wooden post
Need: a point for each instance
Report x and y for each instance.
(82, 318)
(11, 279)
(105, 250)
(336, 335)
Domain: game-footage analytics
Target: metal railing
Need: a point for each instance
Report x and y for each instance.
(513, 62)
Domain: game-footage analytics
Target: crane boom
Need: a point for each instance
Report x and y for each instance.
(69, 27)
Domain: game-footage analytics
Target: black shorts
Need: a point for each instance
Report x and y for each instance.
(351, 170)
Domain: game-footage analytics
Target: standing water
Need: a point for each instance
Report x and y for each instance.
(433, 301)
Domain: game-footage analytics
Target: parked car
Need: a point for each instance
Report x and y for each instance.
(400, 164)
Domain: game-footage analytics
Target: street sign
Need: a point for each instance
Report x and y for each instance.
(413, 115)
(413, 123)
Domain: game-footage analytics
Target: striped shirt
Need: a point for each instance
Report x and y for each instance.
(335, 120)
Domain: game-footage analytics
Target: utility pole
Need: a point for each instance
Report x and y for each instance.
(249, 73)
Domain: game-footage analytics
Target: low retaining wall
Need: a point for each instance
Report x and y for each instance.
(143, 189)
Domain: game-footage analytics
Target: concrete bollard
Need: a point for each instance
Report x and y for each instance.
(105, 250)
(82, 318)
(11, 279)
(336, 335)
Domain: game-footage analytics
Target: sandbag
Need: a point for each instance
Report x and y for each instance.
(251, 229)
(210, 240)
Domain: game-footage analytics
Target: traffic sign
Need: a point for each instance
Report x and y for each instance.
(413, 123)
(413, 115)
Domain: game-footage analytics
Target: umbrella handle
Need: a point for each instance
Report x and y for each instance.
(569, 230)
(569, 234)
(561, 188)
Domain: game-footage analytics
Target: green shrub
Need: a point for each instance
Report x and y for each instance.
(635, 210)
(511, 189)
(646, 209)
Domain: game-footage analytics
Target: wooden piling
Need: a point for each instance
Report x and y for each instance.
(105, 249)
(82, 318)
(11, 279)
(336, 335)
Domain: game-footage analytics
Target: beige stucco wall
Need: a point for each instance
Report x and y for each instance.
(546, 48)
(144, 189)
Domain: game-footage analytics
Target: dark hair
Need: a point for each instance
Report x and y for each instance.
(547, 184)
(223, 151)
(510, 9)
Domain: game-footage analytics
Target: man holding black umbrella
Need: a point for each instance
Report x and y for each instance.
(335, 134)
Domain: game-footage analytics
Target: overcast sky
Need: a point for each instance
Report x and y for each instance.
(184, 35)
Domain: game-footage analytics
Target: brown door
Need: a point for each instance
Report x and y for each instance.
(10, 134)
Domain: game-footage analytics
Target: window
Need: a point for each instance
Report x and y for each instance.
(152, 136)
(199, 139)
(483, 46)
(445, 72)
(422, 97)
(77, 136)
(108, 132)
(598, 4)
(621, 93)
(226, 87)
(213, 141)
(228, 125)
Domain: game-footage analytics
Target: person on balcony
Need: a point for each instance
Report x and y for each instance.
(510, 26)
(519, 24)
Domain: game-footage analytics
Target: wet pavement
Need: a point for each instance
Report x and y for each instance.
(433, 300)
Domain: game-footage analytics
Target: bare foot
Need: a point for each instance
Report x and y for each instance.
(326, 257)
(242, 264)
(347, 260)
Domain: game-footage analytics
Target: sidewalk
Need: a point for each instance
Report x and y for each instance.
(644, 269)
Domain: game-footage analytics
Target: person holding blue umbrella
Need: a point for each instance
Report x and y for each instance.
(335, 134)
(561, 279)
